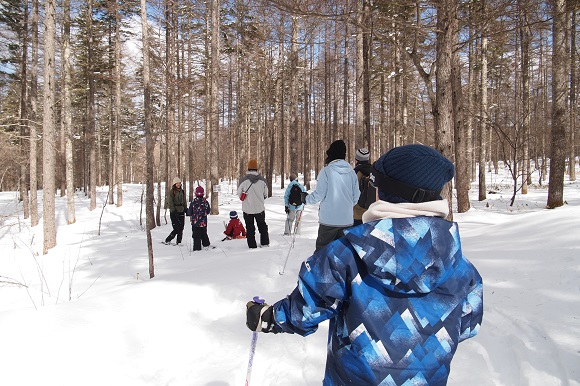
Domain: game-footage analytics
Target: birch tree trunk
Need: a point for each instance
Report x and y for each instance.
(48, 124)
(24, 114)
(67, 115)
(294, 97)
(559, 101)
(33, 117)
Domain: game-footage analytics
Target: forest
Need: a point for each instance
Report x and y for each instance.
(101, 93)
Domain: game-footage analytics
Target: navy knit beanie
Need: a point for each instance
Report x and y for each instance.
(418, 167)
(233, 214)
(337, 150)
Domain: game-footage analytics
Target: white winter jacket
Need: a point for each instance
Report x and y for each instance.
(257, 191)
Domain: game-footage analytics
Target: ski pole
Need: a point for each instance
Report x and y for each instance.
(256, 299)
(293, 240)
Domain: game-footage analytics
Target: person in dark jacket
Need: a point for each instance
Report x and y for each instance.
(235, 228)
(253, 188)
(362, 169)
(198, 210)
(397, 289)
(177, 204)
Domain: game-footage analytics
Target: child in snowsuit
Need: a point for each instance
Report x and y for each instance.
(235, 228)
(198, 210)
(293, 208)
(397, 290)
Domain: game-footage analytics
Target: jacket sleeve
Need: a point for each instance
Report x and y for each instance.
(319, 295)
(170, 203)
(321, 188)
(265, 190)
(287, 194)
(230, 229)
(355, 189)
(472, 309)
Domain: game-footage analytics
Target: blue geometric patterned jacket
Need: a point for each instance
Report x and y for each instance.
(399, 295)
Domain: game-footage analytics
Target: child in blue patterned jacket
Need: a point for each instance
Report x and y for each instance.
(397, 289)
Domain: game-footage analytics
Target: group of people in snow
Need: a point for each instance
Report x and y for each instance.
(388, 270)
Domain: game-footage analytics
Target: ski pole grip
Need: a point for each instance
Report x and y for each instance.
(257, 300)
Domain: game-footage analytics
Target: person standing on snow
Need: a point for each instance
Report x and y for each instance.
(198, 210)
(293, 203)
(177, 204)
(253, 191)
(337, 191)
(362, 170)
(397, 289)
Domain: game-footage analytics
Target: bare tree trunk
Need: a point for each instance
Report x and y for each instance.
(118, 170)
(462, 182)
(33, 116)
(214, 104)
(67, 115)
(149, 213)
(559, 93)
(573, 108)
(355, 141)
(483, 124)
(23, 121)
(294, 97)
(48, 124)
(91, 124)
(525, 38)
(446, 40)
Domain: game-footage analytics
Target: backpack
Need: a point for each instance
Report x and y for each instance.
(367, 196)
(295, 197)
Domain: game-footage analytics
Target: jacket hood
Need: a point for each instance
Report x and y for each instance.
(252, 176)
(407, 255)
(340, 166)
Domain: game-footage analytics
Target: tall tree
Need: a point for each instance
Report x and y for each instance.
(33, 116)
(48, 124)
(559, 103)
(67, 112)
(214, 104)
(149, 140)
(24, 110)
(447, 34)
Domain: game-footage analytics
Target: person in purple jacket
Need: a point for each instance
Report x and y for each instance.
(397, 290)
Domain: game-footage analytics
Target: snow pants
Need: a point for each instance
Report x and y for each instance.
(251, 229)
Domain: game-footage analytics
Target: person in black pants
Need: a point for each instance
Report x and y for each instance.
(253, 191)
(198, 210)
(176, 204)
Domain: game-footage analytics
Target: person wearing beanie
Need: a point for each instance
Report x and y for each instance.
(253, 191)
(177, 205)
(397, 290)
(293, 205)
(362, 169)
(198, 210)
(337, 191)
(235, 229)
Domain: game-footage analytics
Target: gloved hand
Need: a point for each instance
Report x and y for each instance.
(286, 209)
(260, 316)
(303, 196)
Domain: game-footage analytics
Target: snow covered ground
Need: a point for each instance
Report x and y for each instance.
(90, 315)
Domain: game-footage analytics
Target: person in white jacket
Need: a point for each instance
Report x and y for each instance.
(254, 190)
(337, 191)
